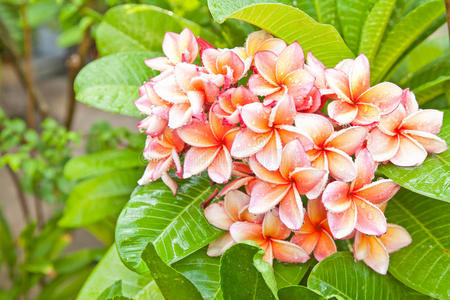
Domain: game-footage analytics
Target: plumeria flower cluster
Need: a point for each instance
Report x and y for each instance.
(295, 143)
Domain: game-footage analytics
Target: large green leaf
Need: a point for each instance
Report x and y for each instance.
(203, 271)
(111, 83)
(323, 11)
(102, 162)
(97, 198)
(289, 274)
(133, 27)
(374, 28)
(423, 265)
(298, 292)
(109, 270)
(175, 224)
(340, 276)
(244, 275)
(171, 283)
(351, 16)
(403, 35)
(288, 23)
(432, 177)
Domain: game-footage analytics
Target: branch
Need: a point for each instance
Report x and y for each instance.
(20, 195)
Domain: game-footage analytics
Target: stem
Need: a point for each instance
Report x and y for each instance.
(210, 198)
(447, 6)
(28, 64)
(11, 49)
(39, 212)
(20, 194)
(75, 63)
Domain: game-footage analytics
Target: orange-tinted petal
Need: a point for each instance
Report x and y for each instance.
(220, 168)
(289, 133)
(395, 238)
(340, 165)
(367, 114)
(317, 127)
(410, 153)
(273, 227)
(288, 252)
(342, 112)
(198, 159)
(218, 128)
(265, 62)
(391, 122)
(432, 143)
(245, 231)
(348, 139)
(235, 184)
(342, 224)
(291, 210)
(307, 241)
(290, 59)
(248, 142)
(339, 83)
(256, 117)
(234, 202)
(197, 134)
(325, 246)
(293, 156)
(429, 120)
(179, 115)
(265, 196)
(378, 258)
(258, 85)
(283, 112)
(306, 179)
(270, 156)
(371, 219)
(264, 174)
(382, 146)
(307, 227)
(359, 77)
(316, 211)
(216, 215)
(336, 197)
(219, 246)
(365, 169)
(378, 192)
(361, 246)
(386, 96)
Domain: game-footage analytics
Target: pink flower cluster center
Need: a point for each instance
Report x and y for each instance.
(254, 118)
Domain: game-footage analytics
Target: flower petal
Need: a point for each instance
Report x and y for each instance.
(377, 258)
(265, 63)
(342, 224)
(429, 120)
(270, 155)
(307, 241)
(290, 59)
(289, 133)
(432, 143)
(306, 179)
(359, 76)
(209, 59)
(317, 127)
(361, 246)
(367, 114)
(220, 169)
(338, 81)
(288, 252)
(371, 219)
(325, 246)
(386, 96)
(179, 115)
(340, 165)
(248, 142)
(293, 156)
(245, 231)
(227, 62)
(365, 169)
(382, 146)
(218, 128)
(342, 112)
(169, 90)
(258, 85)
(265, 196)
(256, 117)
(336, 197)
(273, 227)
(219, 246)
(234, 202)
(235, 184)
(410, 153)
(198, 159)
(264, 174)
(197, 134)
(283, 112)
(349, 139)
(395, 238)
(391, 122)
(299, 84)
(291, 210)
(316, 211)
(216, 215)
(378, 192)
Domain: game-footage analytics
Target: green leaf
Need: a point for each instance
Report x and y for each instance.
(340, 276)
(102, 162)
(351, 15)
(323, 11)
(76, 261)
(288, 23)
(297, 292)
(244, 275)
(111, 83)
(133, 27)
(111, 292)
(203, 271)
(430, 178)
(374, 28)
(403, 35)
(7, 248)
(109, 270)
(424, 264)
(289, 274)
(103, 230)
(171, 283)
(94, 199)
(175, 224)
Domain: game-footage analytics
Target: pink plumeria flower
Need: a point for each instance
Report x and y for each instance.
(187, 88)
(225, 63)
(178, 48)
(230, 102)
(357, 103)
(162, 153)
(294, 178)
(245, 179)
(315, 233)
(406, 135)
(374, 251)
(266, 131)
(222, 214)
(270, 236)
(210, 143)
(280, 74)
(354, 206)
(332, 150)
